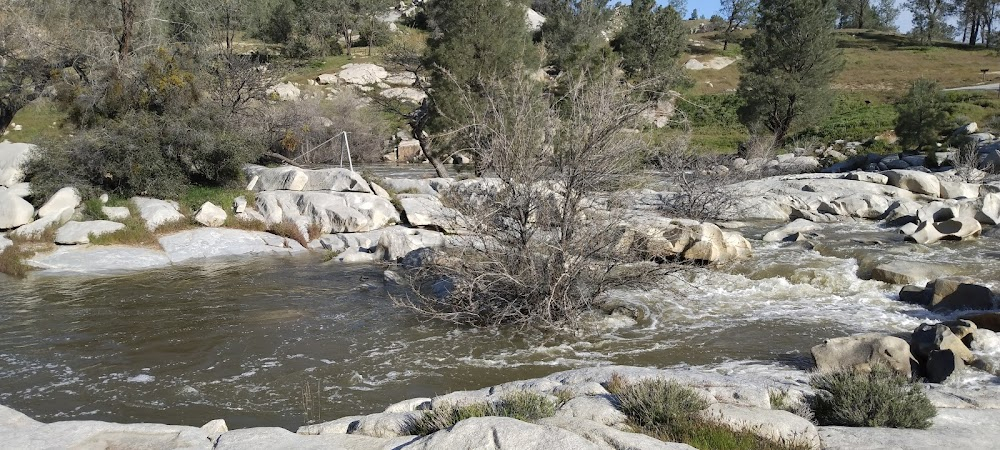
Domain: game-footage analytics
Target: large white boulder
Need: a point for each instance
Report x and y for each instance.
(36, 229)
(334, 212)
(534, 19)
(771, 424)
(788, 231)
(12, 159)
(913, 181)
(78, 233)
(157, 213)
(399, 242)
(503, 434)
(406, 94)
(951, 428)
(289, 178)
(91, 435)
(204, 243)
(362, 74)
(861, 352)
(99, 259)
(956, 229)
(67, 197)
(265, 438)
(14, 211)
(609, 437)
(958, 189)
(909, 272)
(116, 212)
(427, 211)
(285, 92)
(211, 215)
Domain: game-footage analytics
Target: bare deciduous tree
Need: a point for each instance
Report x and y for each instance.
(548, 233)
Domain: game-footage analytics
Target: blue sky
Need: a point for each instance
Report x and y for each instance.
(709, 7)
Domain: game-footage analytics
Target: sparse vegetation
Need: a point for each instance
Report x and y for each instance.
(520, 405)
(669, 411)
(878, 398)
(134, 233)
(290, 230)
(12, 261)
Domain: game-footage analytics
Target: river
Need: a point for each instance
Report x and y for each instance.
(248, 341)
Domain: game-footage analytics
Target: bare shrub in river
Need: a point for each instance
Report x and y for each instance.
(549, 235)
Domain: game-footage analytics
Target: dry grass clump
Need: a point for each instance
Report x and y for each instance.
(12, 261)
(290, 230)
(523, 406)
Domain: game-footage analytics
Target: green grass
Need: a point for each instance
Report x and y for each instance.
(196, 196)
(854, 120)
(40, 121)
(879, 398)
(880, 65)
(669, 411)
(135, 233)
(523, 406)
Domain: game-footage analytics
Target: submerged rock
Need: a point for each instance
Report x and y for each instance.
(205, 243)
(861, 352)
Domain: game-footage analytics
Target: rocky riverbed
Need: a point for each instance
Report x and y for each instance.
(806, 258)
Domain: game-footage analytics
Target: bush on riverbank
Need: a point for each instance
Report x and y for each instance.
(521, 405)
(879, 398)
(669, 411)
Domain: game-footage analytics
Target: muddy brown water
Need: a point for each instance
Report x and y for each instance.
(241, 340)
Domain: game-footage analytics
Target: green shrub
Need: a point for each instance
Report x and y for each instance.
(656, 403)
(524, 406)
(922, 115)
(669, 411)
(145, 154)
(880, 398)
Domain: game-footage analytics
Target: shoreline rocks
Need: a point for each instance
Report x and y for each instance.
(739, 399)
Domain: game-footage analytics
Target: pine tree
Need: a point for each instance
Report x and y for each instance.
(921, 115)
(572, 35)
(651, 40)
(788, 65)
(471, 41)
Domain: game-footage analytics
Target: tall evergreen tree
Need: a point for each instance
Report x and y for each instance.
(471, 40)
(788, 65)
(573, 34)
(651, 39)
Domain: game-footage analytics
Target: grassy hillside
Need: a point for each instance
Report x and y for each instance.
(876, 63)
(878, 68)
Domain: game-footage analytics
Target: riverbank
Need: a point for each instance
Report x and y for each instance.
(742, 398)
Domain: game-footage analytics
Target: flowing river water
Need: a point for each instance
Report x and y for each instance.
(249, 340)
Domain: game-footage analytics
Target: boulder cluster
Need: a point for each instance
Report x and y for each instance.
(934, 352)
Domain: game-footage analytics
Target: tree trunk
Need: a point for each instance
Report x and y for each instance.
(862, 7)
(128, 22)
(7, 113)
(436, 162)
(974, 32)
